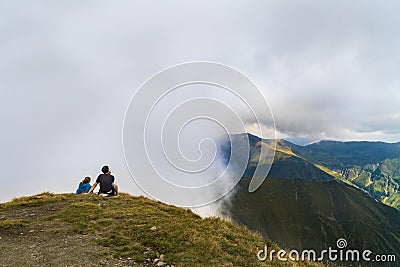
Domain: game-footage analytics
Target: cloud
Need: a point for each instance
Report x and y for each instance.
(69, 69)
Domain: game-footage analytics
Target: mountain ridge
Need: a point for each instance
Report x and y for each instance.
(305, 204)
(357, 163)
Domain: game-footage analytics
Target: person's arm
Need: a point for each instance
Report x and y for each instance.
(92, 188)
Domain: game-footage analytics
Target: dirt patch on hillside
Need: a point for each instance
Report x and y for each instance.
(27, 241)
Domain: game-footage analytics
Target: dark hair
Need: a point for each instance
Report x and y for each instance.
(86, 180)
(105, 169)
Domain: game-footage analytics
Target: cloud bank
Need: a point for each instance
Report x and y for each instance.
(68, 70)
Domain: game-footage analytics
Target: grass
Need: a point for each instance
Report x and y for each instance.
(12, 223)
(393, 200)
(141, 229)
(36, 200)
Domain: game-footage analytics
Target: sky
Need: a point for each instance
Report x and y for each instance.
(68, 70)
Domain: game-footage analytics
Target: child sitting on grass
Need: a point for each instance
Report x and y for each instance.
(84, 186)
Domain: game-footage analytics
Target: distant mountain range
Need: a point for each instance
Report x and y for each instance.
(318, 193)
(371, 166)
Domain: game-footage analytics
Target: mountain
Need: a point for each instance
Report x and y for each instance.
(305, 205)
(371, 166)
(89, 230)
(286, 163)
(339, 155)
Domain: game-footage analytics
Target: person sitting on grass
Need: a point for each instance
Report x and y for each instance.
(84, 186)
(106, 181)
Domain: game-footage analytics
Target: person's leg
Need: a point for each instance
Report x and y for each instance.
(115, 189)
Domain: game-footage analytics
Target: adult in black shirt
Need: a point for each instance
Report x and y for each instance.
(106, 181)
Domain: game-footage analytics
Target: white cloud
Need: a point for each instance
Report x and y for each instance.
(68, 70)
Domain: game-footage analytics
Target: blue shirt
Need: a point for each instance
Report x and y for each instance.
(83, 188)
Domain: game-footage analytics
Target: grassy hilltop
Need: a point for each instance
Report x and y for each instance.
(88, 230)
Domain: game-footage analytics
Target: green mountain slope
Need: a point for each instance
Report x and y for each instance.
(304, 205)
(302, 214)
(294, 167)
(371, 166)
(89, 230)
(286, 163)
(339, 155)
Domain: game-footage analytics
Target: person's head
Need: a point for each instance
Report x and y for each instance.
(86, 180)
(105, 169)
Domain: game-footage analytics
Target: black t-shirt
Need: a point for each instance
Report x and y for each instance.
(105, 181)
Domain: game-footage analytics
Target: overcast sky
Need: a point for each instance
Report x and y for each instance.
(68, 69)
